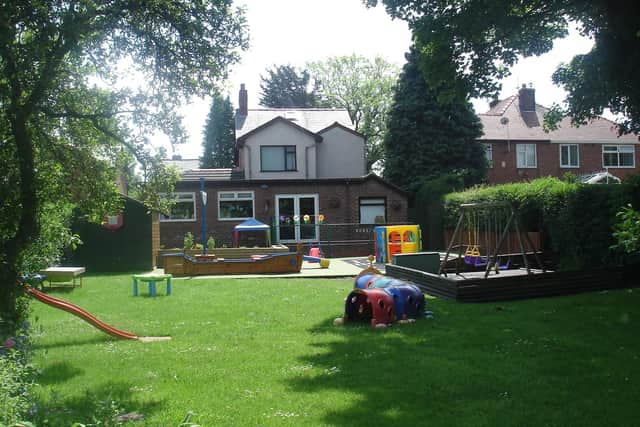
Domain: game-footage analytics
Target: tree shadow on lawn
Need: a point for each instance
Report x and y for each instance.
(402, 376)
(58, 372)
(97, 406)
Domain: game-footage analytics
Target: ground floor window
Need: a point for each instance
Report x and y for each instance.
(488, 154)
(235, 205)
(184, 208)
(569, 157)
(526, 156)
(372, 210)
(618, 156)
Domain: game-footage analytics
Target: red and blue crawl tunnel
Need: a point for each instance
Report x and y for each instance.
(380, 299)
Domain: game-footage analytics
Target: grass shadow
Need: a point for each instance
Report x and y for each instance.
(71, 341)
(58, 372)
(97, 406)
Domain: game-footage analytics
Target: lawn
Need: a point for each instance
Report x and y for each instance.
(264, 352)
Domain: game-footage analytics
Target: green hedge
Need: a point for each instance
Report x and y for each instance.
(576, 219)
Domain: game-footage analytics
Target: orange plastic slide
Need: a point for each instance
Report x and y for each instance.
(77, 311)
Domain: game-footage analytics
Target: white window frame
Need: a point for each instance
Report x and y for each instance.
(488, 154)
(616, 149)
(236, 197)
(577, 160)
(522, 150)
(167, 218)
(296, 211)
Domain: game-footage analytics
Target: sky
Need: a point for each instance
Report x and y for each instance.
(299, 31)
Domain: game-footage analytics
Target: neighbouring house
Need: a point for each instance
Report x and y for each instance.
(302, 171)
(518, 149)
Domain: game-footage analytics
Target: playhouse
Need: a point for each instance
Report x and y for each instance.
(396, 239)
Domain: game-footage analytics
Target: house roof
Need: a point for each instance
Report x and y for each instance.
(340, 126)
(505, 121)
(183, 164)
(312, 119)
(278, 119)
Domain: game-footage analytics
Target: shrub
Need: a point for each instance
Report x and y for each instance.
(18, 376)
(188, 240)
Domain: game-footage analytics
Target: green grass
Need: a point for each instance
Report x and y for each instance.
(265, 353)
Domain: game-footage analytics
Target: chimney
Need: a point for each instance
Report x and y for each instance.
(527, 97)
(242, 101)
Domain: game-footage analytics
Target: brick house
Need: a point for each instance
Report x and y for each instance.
(294, 166)
(518, 149)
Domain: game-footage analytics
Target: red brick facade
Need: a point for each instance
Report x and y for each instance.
(338, 200)
(504, 165)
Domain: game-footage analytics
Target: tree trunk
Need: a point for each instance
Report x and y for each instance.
(12, 310)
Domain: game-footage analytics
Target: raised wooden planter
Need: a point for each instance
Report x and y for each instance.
(224, 252)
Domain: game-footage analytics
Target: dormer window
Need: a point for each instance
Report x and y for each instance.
(278, 158)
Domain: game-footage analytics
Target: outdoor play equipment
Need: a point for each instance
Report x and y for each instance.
(487, 227)
(382, 300)
(79, 312)
(83, 314)
(253, 230)
(396, 239)
(315, 256)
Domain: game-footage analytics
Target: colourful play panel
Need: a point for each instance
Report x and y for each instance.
(151, 279)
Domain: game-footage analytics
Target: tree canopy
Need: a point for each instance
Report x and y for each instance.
(219, 135)
(428, 137)
(68, 123)
(286, 87)
(474, 42)
(365, 89)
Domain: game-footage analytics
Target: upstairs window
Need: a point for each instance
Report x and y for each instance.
(184, 208)
(526, 156)
(618, 156)
(235, 205)
(569, 156)
(278, 158)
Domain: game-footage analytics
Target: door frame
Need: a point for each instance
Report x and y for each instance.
(296, 211)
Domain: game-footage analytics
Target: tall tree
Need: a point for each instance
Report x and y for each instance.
(62, 134)
(286, 87)
(476, 41)
(365, 89)
(219, 135)
(429, 137)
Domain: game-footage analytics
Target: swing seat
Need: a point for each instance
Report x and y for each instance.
(481, 261)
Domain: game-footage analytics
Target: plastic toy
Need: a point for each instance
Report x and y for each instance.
(382, 300)
(396, 239)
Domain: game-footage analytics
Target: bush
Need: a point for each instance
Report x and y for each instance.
(18, 376)
(577, 220)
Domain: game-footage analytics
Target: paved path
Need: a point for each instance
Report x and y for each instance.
(339, 267)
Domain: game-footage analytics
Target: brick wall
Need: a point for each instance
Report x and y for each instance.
(339, 202)
(548, 162)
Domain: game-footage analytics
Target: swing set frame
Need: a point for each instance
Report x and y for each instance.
(473, 252)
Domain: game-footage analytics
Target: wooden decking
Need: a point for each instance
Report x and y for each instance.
(513, 284)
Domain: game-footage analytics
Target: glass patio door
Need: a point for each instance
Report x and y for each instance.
(297, 214)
